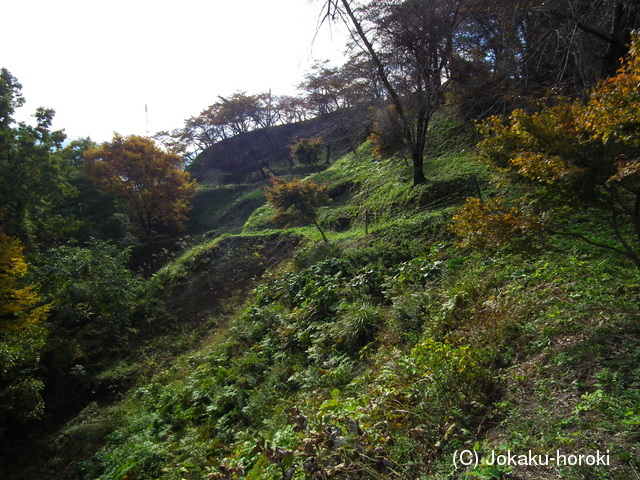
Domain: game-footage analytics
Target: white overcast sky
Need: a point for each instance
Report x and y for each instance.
(97, 63)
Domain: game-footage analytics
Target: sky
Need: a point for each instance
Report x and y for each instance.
(141, 66)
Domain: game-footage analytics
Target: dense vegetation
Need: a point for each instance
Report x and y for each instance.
(388, 309)
(375, 356)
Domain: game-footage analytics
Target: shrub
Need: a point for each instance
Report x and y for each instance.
(357, 325)
(307, 151)
(569, 157)
(93, 295)
(295, 200)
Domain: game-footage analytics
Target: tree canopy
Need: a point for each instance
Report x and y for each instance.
(307, 151)
(34, 176)
(151, 182)
(481, 57)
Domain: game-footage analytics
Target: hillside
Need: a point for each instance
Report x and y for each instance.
(383, 354)
(252, 156)
(420, 263)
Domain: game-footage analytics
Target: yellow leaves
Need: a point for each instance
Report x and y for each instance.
(12, 262)
(542, 167)
(613, 107)
(576, 152)
(626, 168)
(489, 224)
(295, 197)
(449, 365)
(18, 303)
(539, 146)
(22, 336)
(567, 138)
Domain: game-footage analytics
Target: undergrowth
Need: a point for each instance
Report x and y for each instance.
(385, 352)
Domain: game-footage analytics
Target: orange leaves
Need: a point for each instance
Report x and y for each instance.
(574, 137)
(300, 199)
(613, 109)
(577, 153)
(296, 200)
(386, 135)
(626, 168)
(490, 224)
(152, 182)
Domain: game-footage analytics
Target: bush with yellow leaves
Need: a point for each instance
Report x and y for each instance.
(573, 156)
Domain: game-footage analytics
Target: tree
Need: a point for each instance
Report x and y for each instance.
(92, 294)
(345, 92)
(10, 98)
(307, 151)
(230, 116)
(95, 212)
(288, 109)
(571, 157)
(602, 26)
(510, 52)
(296, 200)
(410, 44)
(34, 177)
(151, 182)
(324, 87)
(22, 337)
(483, 57)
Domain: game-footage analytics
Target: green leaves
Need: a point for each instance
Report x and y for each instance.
(34, 177)
(307, 151)
(93, 295)
(10, 97)
(22, 337)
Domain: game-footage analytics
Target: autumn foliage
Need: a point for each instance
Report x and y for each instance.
(574, 154)
(22, 336)
(491, 224)
(386, 135)
(296, 200)
(17, 302)
(151, 182)
(307, 151)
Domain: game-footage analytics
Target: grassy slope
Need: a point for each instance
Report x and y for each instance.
(380, 354)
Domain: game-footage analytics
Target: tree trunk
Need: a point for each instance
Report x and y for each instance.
(619, 36)
(413, 138)
(324, 237)
(418, 168)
